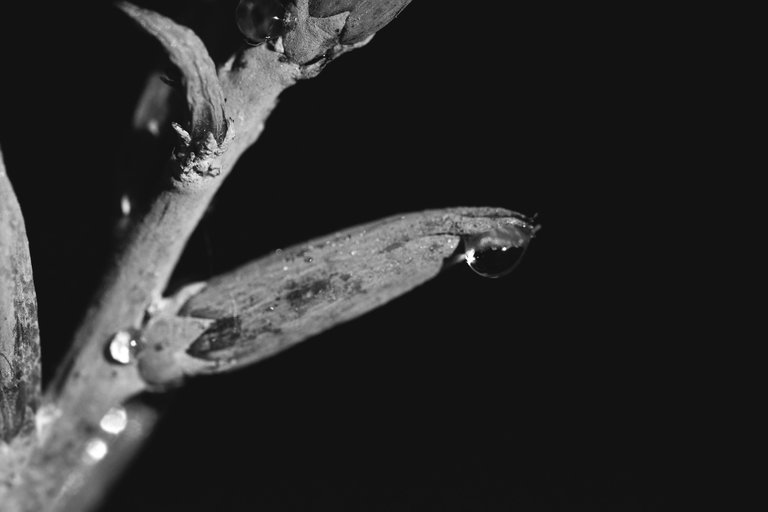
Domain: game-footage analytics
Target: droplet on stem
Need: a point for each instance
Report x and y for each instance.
(260, 20)
(123, 347)
(497, 252)
(95, 450)
(114, 421)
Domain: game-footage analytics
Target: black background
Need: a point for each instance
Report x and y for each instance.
(556, 388)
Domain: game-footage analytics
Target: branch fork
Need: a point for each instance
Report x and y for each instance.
(197, 158)
(231, 321)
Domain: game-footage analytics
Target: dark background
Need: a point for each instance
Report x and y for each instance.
(556, 388)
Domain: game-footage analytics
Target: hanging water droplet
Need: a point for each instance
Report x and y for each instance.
(123, 347)
(497, 252)
(260, 20)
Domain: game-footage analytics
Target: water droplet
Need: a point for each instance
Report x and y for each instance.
(125, 205)
(497, 252)
(123, 347)
(114, 421)
(271, 307)
(308, 259)
(260, 20)
(95, 450)
(153, 127)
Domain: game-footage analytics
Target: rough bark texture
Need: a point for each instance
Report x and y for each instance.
(19, 335)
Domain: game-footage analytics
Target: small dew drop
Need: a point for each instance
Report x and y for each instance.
(95, 450)
(271, 307)
(123, 347)
(114, 421)
(497, 252)
(125, 205)
(153, 127)
(308, 259)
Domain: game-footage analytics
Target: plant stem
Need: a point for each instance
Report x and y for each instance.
(87, 385)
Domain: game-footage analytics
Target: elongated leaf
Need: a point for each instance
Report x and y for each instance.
(274, 302)
(19, 335)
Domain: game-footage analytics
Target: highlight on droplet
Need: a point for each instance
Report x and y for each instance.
(123, 347)
(495, 253)
(95, 450)
(114, 421)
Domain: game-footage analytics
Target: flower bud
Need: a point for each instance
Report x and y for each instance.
(366, 17)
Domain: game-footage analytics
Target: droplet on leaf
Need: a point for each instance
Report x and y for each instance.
(497, 252)
(260, 20)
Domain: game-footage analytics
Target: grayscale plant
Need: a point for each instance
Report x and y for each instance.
(60, 449)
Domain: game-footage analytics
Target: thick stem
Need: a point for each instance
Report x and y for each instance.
(141, 271)
(87, 386)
